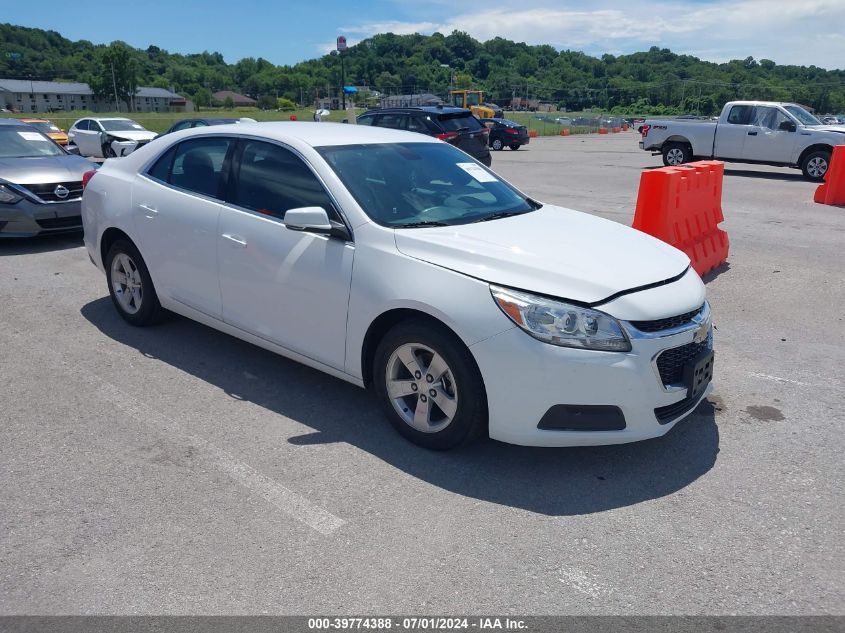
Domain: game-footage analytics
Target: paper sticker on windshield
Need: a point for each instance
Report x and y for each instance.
(32, 136)
(478, 172)
(137, 127)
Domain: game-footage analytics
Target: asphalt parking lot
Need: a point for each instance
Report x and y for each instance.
(178, 470)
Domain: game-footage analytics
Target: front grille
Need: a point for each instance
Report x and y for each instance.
(47, 191)
(667, 323)
(71, 222)
(671, 363)
(668, 413)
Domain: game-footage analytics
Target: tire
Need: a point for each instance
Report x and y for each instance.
(413, 405)
(815, 165)
(136, 308)
(515, 147)
(676, 154)
(108, 152)
(497, 144)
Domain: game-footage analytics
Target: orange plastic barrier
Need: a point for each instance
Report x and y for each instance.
(832, 190)
(293, 117)
(565, 132)
(683, 207)
(533, 134)
(616, 130)
(602, 130)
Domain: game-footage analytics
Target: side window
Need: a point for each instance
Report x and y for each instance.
(198, 165)
(780, 117)
(182, 125)
(94, 126)
(272, 179)
(764, 117)
(161, 168)
(416, 124)
(82, 125)
(393, 121)
(365, 120)
(741, 114)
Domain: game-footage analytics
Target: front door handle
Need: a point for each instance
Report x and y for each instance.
(151, 212)
(236, 239)
(752, 134)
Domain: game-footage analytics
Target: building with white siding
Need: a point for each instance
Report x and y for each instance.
(22, 95)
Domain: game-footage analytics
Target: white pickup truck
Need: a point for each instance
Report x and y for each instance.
(762, 132)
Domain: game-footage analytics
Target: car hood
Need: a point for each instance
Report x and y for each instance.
(133, 135)
(828, 128)
(39, 170)
(551, 251)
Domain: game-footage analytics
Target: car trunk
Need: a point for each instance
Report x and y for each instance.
(465, 132)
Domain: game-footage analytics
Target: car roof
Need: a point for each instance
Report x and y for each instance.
(11, 122)
(28, 120)
(430, 109)
(314, 134)
(106, 118)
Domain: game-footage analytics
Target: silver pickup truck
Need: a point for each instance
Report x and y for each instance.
(767, 133)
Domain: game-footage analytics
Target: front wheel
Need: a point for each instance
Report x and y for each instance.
(815, 165)
(676, 154)
(429, 386)
(130, 285)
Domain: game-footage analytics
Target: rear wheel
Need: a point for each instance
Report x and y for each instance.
(815, 165)
(676, 154)
(130, 285)
(497, 144)
(429, 386)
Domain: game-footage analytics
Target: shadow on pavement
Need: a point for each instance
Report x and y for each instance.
(550, 481)
(40, 244)
(766, 175)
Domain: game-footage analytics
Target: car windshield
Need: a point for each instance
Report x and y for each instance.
(23, 142)
(418, 184)
(802, 115)
(120, 125)
(44, 126)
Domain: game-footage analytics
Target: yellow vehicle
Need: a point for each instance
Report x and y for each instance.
(49, 128)
(473, 100)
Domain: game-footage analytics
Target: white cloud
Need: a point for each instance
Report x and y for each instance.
(786, 31)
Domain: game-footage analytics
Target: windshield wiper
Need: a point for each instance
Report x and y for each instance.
(411, 225)
(499, 216)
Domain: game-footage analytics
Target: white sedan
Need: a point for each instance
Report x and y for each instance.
(107, 137)
(397, 262)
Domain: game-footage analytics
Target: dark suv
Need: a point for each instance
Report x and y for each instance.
(453, 125)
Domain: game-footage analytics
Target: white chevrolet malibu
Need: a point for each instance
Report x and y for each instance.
(397, 262)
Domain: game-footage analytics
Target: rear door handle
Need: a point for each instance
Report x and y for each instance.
(151, 212)
(752, 134)
(236, 239)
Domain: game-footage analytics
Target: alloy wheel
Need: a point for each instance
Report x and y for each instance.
(421, 387)
(126, 283)
(675, 156)
(817, 167)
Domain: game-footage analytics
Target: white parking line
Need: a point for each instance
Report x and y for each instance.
(579, 580)
(775, 378)
(286, 500)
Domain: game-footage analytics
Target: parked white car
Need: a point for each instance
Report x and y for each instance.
(393, 260)
(103, 137)
(768, 133)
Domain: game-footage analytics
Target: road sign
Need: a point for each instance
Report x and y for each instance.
(341, 43)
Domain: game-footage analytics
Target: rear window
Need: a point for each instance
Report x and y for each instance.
(741, 114)
(455, 122)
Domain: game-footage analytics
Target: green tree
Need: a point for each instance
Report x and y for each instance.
(116, 71)
(228, 103)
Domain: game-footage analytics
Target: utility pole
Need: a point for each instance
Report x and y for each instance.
(342, 80)
(114, 85)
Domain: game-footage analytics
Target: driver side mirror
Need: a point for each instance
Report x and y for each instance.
(787, 126)
(315, 220)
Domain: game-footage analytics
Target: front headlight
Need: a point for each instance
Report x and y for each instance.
(7, 196)
(561, 323)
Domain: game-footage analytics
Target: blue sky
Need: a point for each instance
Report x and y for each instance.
(786, 31)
